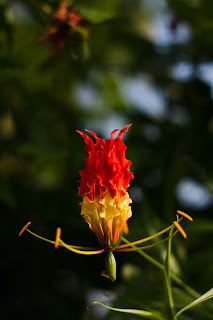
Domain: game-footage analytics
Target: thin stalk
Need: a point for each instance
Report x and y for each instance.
(170, 301)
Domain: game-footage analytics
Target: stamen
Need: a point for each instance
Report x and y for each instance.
(84, 248)
(178, 226)
(57, 238)
(185, 215)
(103, 274)
(147, 238)
(42, 238)
(95, 250)
(24, 228)
(79, 251)
(145, 247)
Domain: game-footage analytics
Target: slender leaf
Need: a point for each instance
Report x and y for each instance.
(141, 313)
(204, 297)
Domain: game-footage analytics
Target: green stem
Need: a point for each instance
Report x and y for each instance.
(167, 273)
(169, 298)
(160, 266)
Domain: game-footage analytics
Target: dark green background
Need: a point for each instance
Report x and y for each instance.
(44, 99)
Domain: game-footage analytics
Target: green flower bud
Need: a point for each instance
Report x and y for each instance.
(110, 264)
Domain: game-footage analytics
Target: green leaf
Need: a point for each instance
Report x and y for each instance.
(141, 313)
(97, 11)
(94, 15)
(204, 297)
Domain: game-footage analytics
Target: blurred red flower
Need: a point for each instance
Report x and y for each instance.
(65, 20)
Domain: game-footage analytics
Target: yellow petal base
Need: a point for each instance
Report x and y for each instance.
(107, 217)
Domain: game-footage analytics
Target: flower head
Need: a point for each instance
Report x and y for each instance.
(103, 187)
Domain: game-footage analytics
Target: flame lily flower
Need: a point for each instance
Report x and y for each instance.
(103, 187)
(106, 202)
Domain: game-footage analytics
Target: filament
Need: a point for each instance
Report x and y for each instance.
(147, 238)
(42, 238)
(85, 252)
(59, 242)
(146, 247)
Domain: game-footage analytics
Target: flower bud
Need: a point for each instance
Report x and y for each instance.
(110, 264)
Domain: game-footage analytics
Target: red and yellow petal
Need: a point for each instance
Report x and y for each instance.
(103, 187)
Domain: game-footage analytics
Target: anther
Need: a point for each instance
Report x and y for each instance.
(24, 228)
(178, 226)
(57, 238)
(104, 274)
(185, 215)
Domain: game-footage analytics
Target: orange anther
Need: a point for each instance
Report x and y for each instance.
(104, 274)
(178, 226)
(24, 228)
(185, 215)
(57, 238)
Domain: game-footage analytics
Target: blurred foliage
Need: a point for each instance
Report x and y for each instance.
(145, 62)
